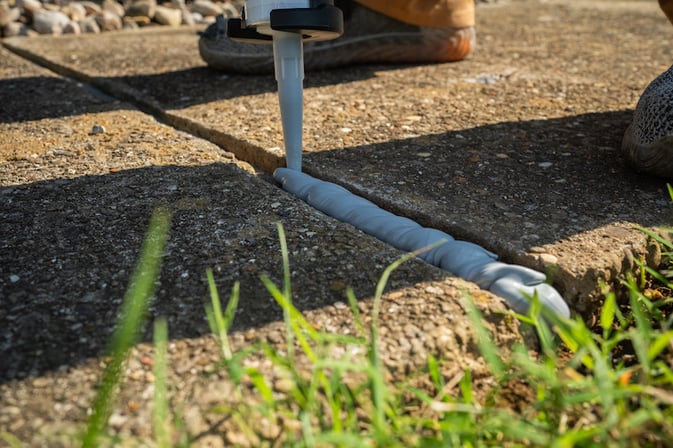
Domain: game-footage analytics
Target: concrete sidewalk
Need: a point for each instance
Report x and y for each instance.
(515, 149)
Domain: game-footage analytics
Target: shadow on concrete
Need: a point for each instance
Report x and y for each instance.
(153, 93)
(199, 85)
(68, 248)
(507, 186)
(47, 93)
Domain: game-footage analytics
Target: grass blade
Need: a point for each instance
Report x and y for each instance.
(486, 345)
(131, 322)
(160, 416)
(219, 322)
(608, 313)
(11, 440)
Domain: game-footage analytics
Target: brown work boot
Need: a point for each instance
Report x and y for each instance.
(369, 38)
(648, 141)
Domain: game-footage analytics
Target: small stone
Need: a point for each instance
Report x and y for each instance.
(545, 165)
(89, 25)
(14, 278)
(168, 16)
(97, 129)
(130, 24)
(237, 439)
(206, 8)
(76, 11)
(283, 385)
(142, 8)
(114, 7)
(187, 18)
(50, 22)
(12, 410)
(136, 21)
(91, 7)
(211, 441)
(197, 17)
(17, 29)
(548, 259)
(41, 382)
(268, 429)
(8, 15)
(72, 28)
(108, 21)
(117, 420)
(29, 7)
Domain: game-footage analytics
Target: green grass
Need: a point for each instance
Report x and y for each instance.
(131, 323)
(583, 393)
(606, 386)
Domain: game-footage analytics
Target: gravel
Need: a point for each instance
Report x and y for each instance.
(33, 17)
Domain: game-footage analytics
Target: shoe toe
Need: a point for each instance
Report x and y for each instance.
(654, 158)
(648, 141)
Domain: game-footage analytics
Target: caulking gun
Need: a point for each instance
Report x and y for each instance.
(287, 24)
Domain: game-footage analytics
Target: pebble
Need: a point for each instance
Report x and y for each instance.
(283, 385)
(50, 22)
(32, 17)
(17, 29)
(141, 8)
(29, 7)
(548, 259)
(8, 15)
(97, 129)
(108, 21)
(117, 420)
(113, 7)
(237, 439)
(72, 28)
(76, 11)
(206, 8)
(89, 25)
(41, 382)
(168, 16)
(91, 7)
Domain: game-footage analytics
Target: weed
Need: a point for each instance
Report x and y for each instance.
(131, 322)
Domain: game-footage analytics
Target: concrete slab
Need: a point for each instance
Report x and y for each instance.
(81, 172)
(515, 148)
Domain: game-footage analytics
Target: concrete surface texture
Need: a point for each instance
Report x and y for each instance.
(515, 149)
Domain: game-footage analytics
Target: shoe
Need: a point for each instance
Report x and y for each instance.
(648, 141)
(369, 38)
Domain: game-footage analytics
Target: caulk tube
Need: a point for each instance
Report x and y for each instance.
(288, 56)
(257, 12)
(463, 259)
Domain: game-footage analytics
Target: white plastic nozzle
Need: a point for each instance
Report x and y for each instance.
(288, 54)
